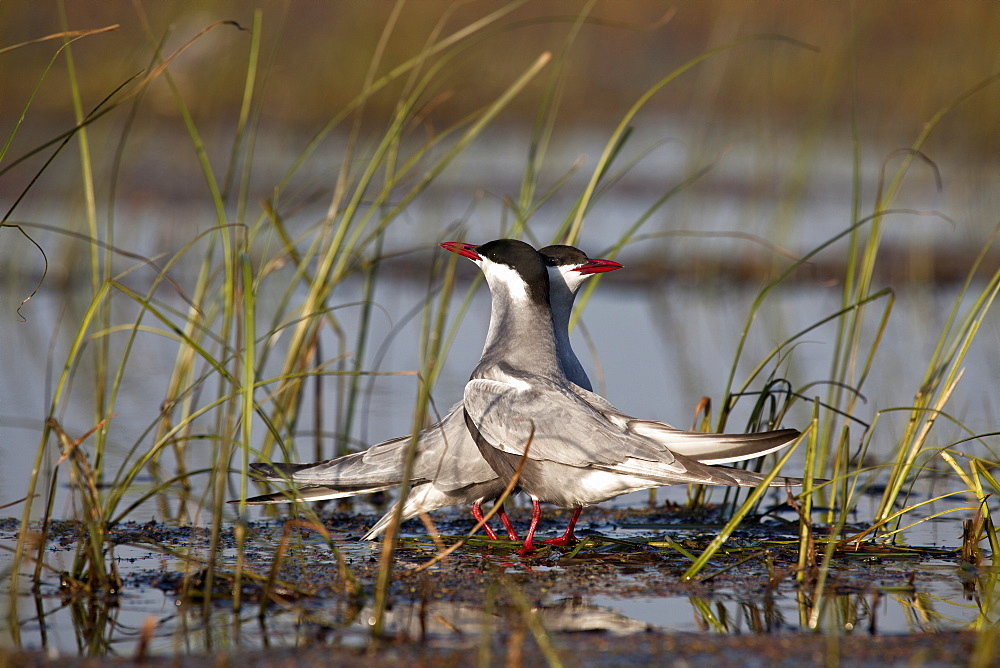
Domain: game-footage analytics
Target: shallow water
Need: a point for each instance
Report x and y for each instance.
(658, 351)
(653, 348)
(637, 591)
(673, 350)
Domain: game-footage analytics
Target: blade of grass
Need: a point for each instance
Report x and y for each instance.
(723, 535)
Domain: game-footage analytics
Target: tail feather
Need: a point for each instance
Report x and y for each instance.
(343, 473)
(709, 448)
(313, 493)
(744, 478)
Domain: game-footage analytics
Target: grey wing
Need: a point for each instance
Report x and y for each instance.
(559, 425)
(449, 456)
(592, 398)
(446, 454)
(605, 408)
(714, 448)
(310, 493)
(706, 448)
(348, 472)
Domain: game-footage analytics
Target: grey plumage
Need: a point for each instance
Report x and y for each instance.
(448, 468)
(522, 410)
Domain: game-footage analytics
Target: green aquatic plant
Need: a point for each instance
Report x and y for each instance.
(252, 299)
(225, 338)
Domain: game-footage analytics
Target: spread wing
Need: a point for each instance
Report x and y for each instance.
(310, 493)
(707, 448)
(446, 455)
(710, 448)
(560, 427)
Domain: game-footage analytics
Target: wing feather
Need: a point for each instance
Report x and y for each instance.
(561, 426)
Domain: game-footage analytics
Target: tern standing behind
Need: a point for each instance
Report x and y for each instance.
(524, 413)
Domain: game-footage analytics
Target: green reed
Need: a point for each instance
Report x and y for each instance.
(228, 336)
(854, 355)
(219, 325)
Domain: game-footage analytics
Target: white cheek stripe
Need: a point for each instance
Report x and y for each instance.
(501, 274)
(568, 275)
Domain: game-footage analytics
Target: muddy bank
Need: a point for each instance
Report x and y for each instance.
(939, 649)
(620, 599)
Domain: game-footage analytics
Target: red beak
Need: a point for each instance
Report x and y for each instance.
(465, 250)
(598, 266)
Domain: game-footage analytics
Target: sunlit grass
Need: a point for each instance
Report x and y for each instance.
(218, 372)
(253, 321)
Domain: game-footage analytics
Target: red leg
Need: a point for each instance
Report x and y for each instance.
(477, 512)
(568, 538)
(536, 515)
(511, 532)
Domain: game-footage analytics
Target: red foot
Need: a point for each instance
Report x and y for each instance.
(562, 540)
(568, 538)
(527, 550)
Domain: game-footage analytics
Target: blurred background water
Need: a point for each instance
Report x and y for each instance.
(656, 336)
(772, 121)
(767, 149)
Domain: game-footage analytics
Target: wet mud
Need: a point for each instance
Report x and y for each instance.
(485, 604)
